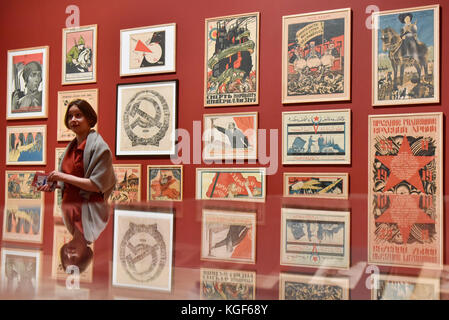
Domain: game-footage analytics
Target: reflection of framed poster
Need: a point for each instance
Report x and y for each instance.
(220, 284)
(58, 193)
(21, 271)
(231, 64)
(79, 55)
(64, 98)
(148, 50)
(316, 56)
(405, 190)
(304, 287)
(143, 250)
(26, 145)
(240, 184)
(146, 118)
(230, 136)
(164, 183)
(315, 238)
(228, 236)
(23, 221)
(406, 56)
(390, 287)
(316, 137)
(127, 188)
(316, 185)
(27, 91)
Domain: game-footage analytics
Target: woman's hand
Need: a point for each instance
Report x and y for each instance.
(55, 176)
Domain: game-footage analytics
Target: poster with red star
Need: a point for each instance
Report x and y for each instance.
(405, 208)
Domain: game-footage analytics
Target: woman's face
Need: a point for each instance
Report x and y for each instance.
(407, 19)
(77, 121)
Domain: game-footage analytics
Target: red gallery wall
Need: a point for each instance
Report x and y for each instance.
(29, 23)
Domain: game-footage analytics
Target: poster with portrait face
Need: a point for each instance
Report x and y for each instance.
(27, 95)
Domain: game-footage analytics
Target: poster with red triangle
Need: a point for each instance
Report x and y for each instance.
(405, 198)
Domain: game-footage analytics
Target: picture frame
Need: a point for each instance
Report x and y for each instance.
(27, 98)
(316, 185)
(57, 202)
(305, 244)
(221, 284)
(79, 55)
(316, 137)
(18, 186)
(64, 98)
(228, 236)
(406, 56)
(129, 183)
(405, 174)
(26, 145)
(316, 43)
(306, 287)
(152, 271)
(148, 50)
(238, 184)
(165, 182)
(223, 142)
(138, 133)
(393, 287)
(231, 69)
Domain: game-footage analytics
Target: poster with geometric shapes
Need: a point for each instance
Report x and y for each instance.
(405, 205)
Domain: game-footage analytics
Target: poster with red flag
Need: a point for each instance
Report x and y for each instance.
(405, 204)
(241, 184)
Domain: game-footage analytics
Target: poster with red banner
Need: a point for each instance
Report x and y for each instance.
(405, 204)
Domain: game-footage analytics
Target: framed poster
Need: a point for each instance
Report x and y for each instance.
(146, 118)
(26, 145)
(406, 56)
(316, 56)
(27, 90)
(405, 190)
(64, 98)
(390, 287)
(148, 50)
(316, 137)
(143, 250)
(79, 55)
(19, 188)
(315, 238)
(21, 271)
(230, 136)
(164, 183)
(305, 287)
(316, 185)
(228, 236)
(128, 186)
(57, 211)
(240, 184)
(220, 284)
(231, 64)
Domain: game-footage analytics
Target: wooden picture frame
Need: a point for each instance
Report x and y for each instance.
(151, 229)
(316, 137)
(64, 98)
(392, 287)
(129, 184)
(138, 133)
(317, 43)
(26, 145)
(406, 56)
(405, 175)
(306, 287)
(221, 141)
(231, 68)
(79, 55)
(221, 284)
(27, 98)
(238, 184)
(303, 242)
(148, 50)
(165, 182)
(316, 185)
(218, 227)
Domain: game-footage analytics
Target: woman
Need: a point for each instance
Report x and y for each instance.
(87, 178)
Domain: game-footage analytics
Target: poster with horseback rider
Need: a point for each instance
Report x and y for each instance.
(406, 56)
(79, 55)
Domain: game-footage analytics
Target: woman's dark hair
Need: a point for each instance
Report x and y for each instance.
(85, 108)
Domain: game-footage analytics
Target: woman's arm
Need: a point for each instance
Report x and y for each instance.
(82, 183)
